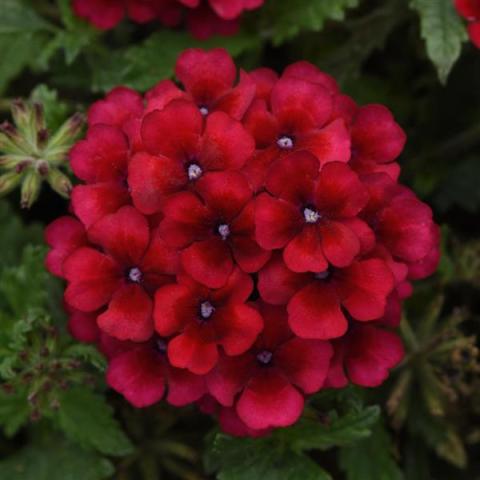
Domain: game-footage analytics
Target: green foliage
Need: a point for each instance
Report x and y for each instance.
(87, 419)
(55, 459)
(443, 32)
(370, 458)
(283, 454)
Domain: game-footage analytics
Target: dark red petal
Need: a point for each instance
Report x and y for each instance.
(270, 401)
(138, 375)
(255, 170)
(104, 14)
(186, 220)
(159, 96)
(314, 312)
(296, 94)
(238, 288)
(229, 377)
(190, 352)
(203, 23)
(173, 131)
(227, 10)
(151, 178)
(339, 191)
(365, 288)
(340, 244)
(276, 222)
(363, 232)
(124, 235)
(64, 235)
(184, 387)
(205, 74)
(291, 178)
(103, 156)
(93, 278)
(468, 9)
(175, 306)
(139, 11)
(307, 71)
(119, 105)
(129, 314)
(230, 423)
(261, 124)
(209, 262)
(236, 102)
(275, 329)
(330, 144)
(238, 326)
(371, 353)
(375, 135)
(160, 258)
(265, 79)
(305, 362)
(304, 252)
(226, 143)
(248, 254)
(277, 284)
(336, 377)
(91, 203)
(83, 326)
(474, 32)
(225, 193)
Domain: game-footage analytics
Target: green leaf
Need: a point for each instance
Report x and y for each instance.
(310, 434)
(55, 461)
(443, 31)
(86, 417)
(370, 458)
(55, 110)
(247, 459)
(17, 17)
(142, 66)
(285, 19)
(14, 412)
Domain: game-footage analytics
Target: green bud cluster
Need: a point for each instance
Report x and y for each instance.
(30, 154)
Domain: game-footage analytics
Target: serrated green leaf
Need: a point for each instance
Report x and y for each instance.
(247, 459)
(86, 417)
(55, 461)
(443, 31)
(17, 17)
(14, 412)
(285, 19)
(370, 458)
(310, 434)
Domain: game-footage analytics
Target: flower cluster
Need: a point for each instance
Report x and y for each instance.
(203, 17)
(240, 242)
(470, 10)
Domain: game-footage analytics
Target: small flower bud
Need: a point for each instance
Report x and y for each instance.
(42, 137)
(30, 189)
(39, 116)
(11, 161)
(67, 133)
(59, 182)
(42, 167)
(24, 117)
(8, 181)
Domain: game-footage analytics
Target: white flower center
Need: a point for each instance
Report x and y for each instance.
(206, 310)
(224, 231)
(285, 142)
(135, 275)
(194, 171)
(311, 216)
(204, 111)
(265, 357)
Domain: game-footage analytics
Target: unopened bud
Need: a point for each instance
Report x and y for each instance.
(59, 182)
(42, 167)
(39, 116)
(11, 161)
(65, 136)
(24, 118)
(42, 137)
(21, 166)
(8, 181)
(30, 189)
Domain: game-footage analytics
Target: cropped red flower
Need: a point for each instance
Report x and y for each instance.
(210, 192)
(204, 17)
(470, 10)
(267, 384)
(201, 320)
(214, 229)
(132, 265)
(317, 302)
(309, 212)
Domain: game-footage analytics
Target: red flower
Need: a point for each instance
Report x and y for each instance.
(364, 356)
(181, 150)
(133, 264)
(142, 374)
(215, 229)
(470, 10)
(309, 213)
(267, 384)
(64, 235)
(317, 301)
(202, 320)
